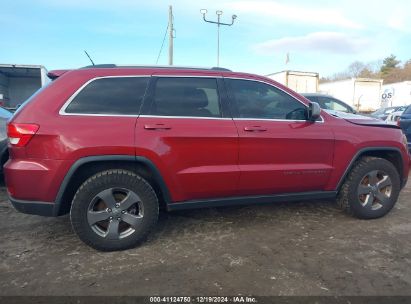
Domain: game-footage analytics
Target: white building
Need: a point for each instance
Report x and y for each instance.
(18, 82)
(363, 94)
(396, 94)
(301, 82)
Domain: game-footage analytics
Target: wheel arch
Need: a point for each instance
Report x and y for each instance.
(86, 167)
(392, 154)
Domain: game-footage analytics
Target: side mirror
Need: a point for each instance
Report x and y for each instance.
(314, 111)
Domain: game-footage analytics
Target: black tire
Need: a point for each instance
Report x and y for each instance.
(106, 194)
(371, 189)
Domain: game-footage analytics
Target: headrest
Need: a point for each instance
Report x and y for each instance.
(182, 97)
(195, 98)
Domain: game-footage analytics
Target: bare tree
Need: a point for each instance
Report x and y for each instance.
(355, 68)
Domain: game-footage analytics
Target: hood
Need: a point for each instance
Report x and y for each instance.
(361, 119)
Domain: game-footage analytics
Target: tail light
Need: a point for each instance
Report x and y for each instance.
(398, 121)
(20, 134)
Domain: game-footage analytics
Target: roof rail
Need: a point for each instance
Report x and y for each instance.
(107, 66)
(99, 66)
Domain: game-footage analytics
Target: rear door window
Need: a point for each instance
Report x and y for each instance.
(186, 97)
(111, 95)
(333, 104)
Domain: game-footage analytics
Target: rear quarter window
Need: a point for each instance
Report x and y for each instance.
(112, 95)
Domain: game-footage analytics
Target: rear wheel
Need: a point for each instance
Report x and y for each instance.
(114, 210)
(371, 188)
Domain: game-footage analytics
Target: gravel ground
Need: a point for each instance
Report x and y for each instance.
(303, 248)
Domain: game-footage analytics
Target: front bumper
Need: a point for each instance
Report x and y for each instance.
(35, 207)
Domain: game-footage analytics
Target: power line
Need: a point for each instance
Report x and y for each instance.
(171, 36)
(162, 44)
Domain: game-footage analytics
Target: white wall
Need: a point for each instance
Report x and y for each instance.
(342, 90)
(301, 82)
(396, 94)
(21, 89)
(4, 87)
(360, 93)
(279, 77)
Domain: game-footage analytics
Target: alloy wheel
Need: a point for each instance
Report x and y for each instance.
(374, 190)
(115, 213)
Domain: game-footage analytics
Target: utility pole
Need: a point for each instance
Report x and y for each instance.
(218, 22)
(170, 37)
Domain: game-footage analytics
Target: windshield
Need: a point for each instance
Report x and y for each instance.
(380, 111)
(346, 115)
(5, 113)
(408, 110)
(309, 97)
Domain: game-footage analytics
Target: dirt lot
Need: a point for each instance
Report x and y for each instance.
(305, 248)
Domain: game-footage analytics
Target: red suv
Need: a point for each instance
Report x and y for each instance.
(112, 145)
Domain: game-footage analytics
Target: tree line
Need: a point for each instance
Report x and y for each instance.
(389, 69)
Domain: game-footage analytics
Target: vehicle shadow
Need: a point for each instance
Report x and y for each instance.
(185, 225)
(2, 182)
(251, 216)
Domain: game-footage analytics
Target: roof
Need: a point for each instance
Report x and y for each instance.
(103, 70)
(316, 94)
(315, 74)
(353, 80)
(21, 70)
(28, 66)
(108, 66)
(113, 70)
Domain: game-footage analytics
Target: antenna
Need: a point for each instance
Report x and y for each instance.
(92, 62)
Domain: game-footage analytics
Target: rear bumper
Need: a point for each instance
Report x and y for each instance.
(35, 207)
(34, 179)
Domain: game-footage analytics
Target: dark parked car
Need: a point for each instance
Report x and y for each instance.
(405, 123)
(383, 113)
(4, 153)
(328, 102)
(111, 145)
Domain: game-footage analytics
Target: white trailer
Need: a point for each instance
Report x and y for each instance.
(18, 82)
(396, 94)
(301, 82)
(363, 94)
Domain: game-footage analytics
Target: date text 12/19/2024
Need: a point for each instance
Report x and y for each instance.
(204, 299)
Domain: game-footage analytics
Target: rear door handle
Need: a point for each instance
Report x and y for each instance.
(255, 129)
(157, 127)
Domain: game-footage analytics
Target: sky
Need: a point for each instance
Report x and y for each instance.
(320, 36)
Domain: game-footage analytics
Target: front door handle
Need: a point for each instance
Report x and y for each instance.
(157, 127)
(255, 129)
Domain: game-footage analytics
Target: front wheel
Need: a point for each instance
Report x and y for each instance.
(371, 188)
(114, 210)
